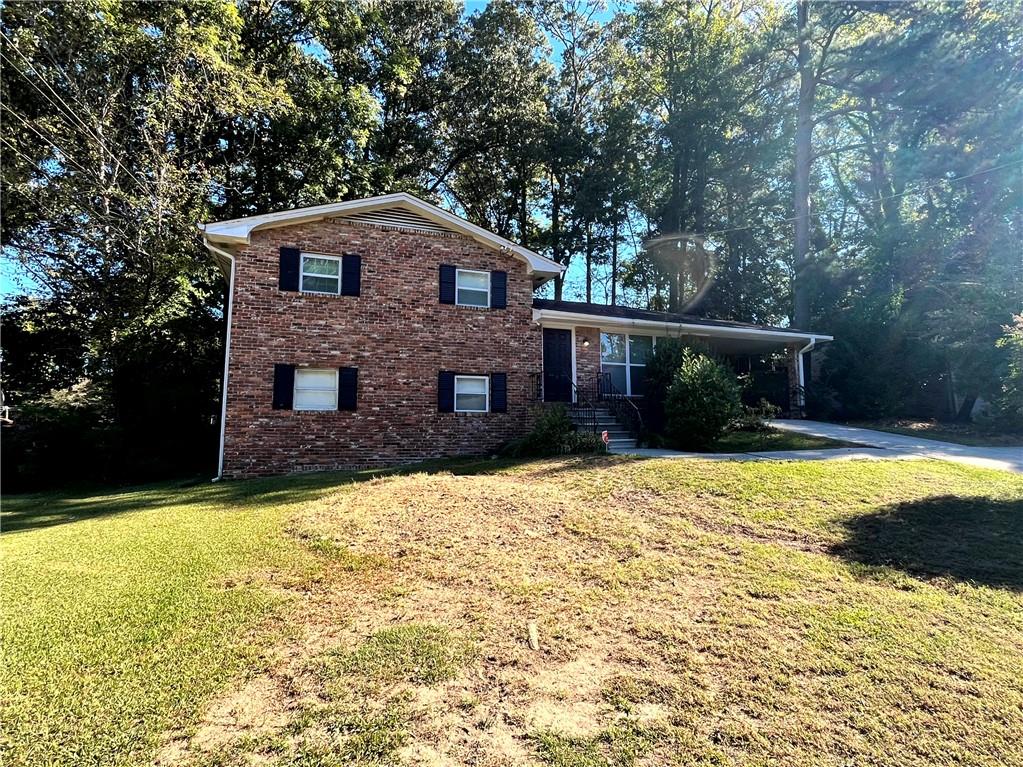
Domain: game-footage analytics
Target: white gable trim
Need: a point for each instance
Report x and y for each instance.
(238, 231)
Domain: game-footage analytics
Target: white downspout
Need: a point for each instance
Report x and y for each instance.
(800, 373)
(227, 354)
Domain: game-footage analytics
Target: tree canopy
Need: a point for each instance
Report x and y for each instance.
(854, 167)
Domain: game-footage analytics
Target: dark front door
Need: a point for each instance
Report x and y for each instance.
(557, 365)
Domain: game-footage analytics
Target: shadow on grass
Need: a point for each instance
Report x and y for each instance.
(32, 511)
(970, 539)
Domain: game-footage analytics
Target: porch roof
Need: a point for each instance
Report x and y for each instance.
(735, 336)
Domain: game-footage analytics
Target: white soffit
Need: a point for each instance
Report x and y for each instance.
(400, 210)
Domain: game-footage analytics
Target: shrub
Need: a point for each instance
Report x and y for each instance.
(660, 372)
(553, 433)
(754, 417)
(1007, 407)
(704, 397)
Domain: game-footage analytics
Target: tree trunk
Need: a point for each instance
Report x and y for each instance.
(804, 139)
(523, 209)
(559, 282)
(614, 263)
(589, 264)
(965, 414)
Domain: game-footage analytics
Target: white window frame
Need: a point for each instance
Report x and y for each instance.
(459, 273)
(302, 274)
(628, 364)
(294, 394)
(486, 393)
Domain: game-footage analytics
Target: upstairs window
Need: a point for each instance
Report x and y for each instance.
(472, 394)
(321, 274)
(315, 389)
(472, 288)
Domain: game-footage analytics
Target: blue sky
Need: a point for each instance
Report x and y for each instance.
(15, 281)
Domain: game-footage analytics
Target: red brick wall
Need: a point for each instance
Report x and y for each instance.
(396, 333)
(587, 358)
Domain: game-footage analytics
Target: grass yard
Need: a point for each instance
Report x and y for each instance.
(688, 613)
(773, 439)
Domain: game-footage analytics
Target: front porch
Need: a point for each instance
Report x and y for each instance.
(595, 356)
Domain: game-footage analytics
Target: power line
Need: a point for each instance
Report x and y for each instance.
(48, 140)
(915, 190)
(67, 111)
(86, 208)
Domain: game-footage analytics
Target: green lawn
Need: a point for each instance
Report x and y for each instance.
(688, 613)
(772, 439)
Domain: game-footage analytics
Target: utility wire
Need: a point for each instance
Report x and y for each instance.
(67, 111)
(49, 140)
(86, 208)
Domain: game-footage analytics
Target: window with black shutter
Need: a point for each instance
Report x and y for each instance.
(447, 284)
(348, 385)
(290, 268)
(284, 387)
(498, 290)
(446, 391)
(351, 274)
(499, 392)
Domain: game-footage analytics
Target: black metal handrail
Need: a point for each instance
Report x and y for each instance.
(536, 386)
(624, 409)
(583, 400)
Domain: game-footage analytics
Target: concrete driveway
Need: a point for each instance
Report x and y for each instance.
(900, 445)
(876, 445)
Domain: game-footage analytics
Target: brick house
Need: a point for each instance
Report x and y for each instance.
(384, 331)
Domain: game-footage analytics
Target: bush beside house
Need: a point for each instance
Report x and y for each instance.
(703, 399)
(553, 433)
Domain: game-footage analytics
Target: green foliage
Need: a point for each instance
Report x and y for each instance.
(553, 433)
(703, 398)
(669, 353)
(1007, 407)
(128, 123)
(755, 417)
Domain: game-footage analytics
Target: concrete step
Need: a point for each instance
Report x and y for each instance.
(599, 421)
(621, 444)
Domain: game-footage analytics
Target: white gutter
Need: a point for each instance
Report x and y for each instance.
(547, 316)
(800, 372)
(227, 353)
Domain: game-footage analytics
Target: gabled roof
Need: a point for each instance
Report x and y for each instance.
(627, 316)
(422, 216)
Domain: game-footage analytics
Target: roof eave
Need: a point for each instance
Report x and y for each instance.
(691, 328)
(238, 231)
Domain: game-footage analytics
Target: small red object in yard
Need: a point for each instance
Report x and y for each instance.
(604, 436)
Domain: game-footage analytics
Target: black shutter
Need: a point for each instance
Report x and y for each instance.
(447, 284)
(348, 385)
(446, 392)
(498, 290)
(291, 259)
(351, 274)
(499, 392)
(284, 387)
